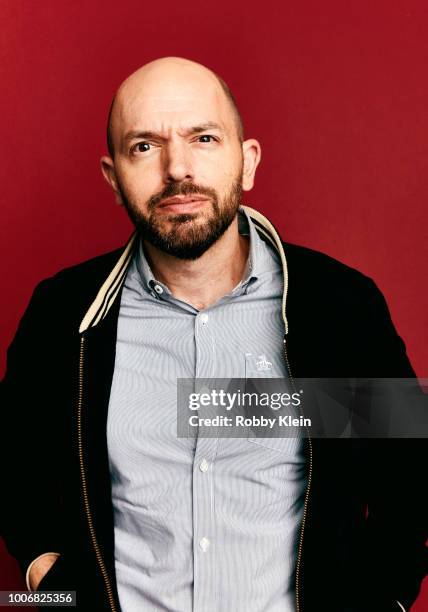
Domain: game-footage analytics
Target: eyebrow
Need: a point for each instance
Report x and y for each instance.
(196, 129)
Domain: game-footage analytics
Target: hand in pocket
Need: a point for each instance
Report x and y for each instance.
(40, 568)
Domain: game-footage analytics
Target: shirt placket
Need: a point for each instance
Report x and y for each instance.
(204, 545)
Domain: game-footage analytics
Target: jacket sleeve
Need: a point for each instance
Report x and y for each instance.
(397, 502)
(31, 506)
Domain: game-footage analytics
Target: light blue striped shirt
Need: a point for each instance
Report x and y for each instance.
(205, 525)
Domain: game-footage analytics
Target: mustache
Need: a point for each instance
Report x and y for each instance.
(183, 189)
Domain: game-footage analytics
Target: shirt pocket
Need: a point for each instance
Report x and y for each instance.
(263, 365)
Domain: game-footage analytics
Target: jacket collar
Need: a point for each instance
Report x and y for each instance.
(111, 287)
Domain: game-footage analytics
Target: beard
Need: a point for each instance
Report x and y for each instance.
(186, 235)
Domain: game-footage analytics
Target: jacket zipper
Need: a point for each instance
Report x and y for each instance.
(89, 519)
(308, 487)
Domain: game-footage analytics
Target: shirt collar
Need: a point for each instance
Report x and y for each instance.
(148, 280)
(110, 289)
(253, 267)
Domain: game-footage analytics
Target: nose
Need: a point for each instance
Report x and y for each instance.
(177, 163)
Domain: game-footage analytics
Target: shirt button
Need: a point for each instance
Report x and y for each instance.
(158, 289)
(204, 465)
(204, 544)
(204, 318)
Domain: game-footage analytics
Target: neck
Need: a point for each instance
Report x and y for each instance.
(205, 280)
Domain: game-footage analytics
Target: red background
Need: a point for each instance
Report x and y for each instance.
(337, 93)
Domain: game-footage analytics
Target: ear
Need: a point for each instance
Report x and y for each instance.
(251, 152)
(109, 173)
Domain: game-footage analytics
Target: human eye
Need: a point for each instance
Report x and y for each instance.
(141, 147)
(206, 138)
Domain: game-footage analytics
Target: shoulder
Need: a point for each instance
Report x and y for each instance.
(88, 271)
(322, 288)
(67, 294)
(331, 304)
(318, 270)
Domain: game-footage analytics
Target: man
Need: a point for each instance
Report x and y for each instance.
(109, 502)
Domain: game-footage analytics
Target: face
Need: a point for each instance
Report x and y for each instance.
(179, 166)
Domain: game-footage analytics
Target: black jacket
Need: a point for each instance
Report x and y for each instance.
(362, 544)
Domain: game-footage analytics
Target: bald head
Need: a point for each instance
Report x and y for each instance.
(168, 84)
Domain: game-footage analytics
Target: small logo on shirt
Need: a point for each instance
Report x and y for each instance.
(263, 364)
